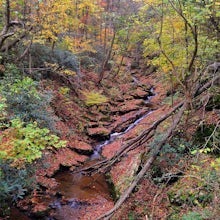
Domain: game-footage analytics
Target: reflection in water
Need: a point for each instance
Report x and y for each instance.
(15, 214)
(82, 187)
(80, 191)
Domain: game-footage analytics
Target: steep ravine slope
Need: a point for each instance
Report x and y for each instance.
(83, 127)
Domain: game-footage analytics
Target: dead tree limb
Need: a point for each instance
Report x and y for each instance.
(183, 106)
(15, 41)
(106, 164)
(134, 143)
(154, 152)
(207, 85)
(147, 165)
(25, 52)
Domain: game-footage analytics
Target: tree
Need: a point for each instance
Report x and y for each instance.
(180, 41)
(13, 28)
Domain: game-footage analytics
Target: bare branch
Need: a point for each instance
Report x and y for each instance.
(25, 51)
(7, 23)
(194, 33)
(15, 41)
(146, 166)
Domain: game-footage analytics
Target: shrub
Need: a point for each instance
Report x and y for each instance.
(94, 98)
(14, 184)
(25, 142)
(192, 216)
(208, 137)
(3, 112)
(24, 101)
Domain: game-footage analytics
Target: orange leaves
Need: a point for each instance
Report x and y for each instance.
(6, 144)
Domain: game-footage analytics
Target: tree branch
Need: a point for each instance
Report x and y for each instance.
(3, 34)
(146, 166)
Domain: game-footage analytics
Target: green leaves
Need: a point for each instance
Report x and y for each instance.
(94, 98)
(183, 35)
(24, 101)
(26, 142)
(14, 183)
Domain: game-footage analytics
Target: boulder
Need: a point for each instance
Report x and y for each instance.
(124, 122)
(140, 93)
(100, 133)
(83, 148)
(128, 106)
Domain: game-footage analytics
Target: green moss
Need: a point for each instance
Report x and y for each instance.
(94, 98)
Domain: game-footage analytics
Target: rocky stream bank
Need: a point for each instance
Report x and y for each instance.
(92, 133)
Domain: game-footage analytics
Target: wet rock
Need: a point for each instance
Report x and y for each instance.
(46, 182)
(126, 120)
(67, 157)
(128, 106)
(64, 157)
(99, 132)
(152, 106)
(83, 148)
(128, 97)
(40, 210)
(140, 93)
(93, 124)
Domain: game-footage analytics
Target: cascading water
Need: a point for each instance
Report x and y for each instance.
(76, 188)
(113, 136)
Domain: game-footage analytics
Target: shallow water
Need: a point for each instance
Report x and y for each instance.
(78, 192)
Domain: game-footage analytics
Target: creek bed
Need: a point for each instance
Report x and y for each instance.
(78, 194)
(79, 191)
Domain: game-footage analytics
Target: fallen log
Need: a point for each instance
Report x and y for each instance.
(147, 165)
(182, 106)
(106, 164)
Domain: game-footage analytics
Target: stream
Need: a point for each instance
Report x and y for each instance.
(78, 193)
(79, 189)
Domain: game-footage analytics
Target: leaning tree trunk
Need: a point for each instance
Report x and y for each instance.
(147, 165)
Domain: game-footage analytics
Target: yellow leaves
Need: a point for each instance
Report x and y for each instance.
(88, 6)
(168, 39)
(69, 72)
(78, 45)
(64, 90)
(94, 98)
(85, 46)
(52, 18)
(48, 34)
(6, 144)
(216, 164)
(55, 67)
